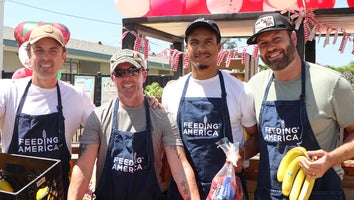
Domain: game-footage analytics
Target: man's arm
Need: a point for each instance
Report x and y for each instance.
(346, 150)
(82, 171)
(251, 146)
(249, 149)
(182, 172)
(325, 160)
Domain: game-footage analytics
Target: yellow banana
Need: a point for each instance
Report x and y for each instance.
(289, 156)
(290, 174)
(4, 185)
(306, 188)
(42, 192)
(297, 185)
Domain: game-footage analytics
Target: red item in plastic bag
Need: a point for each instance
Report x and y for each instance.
(226, 185)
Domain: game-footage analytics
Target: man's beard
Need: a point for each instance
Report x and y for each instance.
(201, 66)
(288, 57)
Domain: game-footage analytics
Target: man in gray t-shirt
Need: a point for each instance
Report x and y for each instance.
(129, 138)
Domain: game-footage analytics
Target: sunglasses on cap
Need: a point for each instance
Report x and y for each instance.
(121, 72)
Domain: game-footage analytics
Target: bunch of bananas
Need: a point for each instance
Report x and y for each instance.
(295, 183)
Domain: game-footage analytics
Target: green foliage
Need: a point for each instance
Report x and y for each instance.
(154, 89)
(349, 67)
(263, 67)
(230, 43)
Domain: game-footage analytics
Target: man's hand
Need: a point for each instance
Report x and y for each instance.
(154, 102)
(239, 159)
(318, 163)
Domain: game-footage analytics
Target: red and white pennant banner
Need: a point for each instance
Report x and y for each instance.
(312, 27)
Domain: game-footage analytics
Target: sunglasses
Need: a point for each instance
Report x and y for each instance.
(121, 72)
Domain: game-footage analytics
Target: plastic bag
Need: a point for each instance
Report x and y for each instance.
(226, 185)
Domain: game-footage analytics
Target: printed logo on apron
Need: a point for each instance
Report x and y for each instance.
(38, 144)
(123, 164)
(282, 133)
(201, 129)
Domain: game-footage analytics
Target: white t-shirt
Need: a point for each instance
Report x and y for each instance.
(238, 96)
(39, 101)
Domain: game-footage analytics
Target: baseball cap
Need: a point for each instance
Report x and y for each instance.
(202, 22)
(130, 56)
(269, 22)
(46, 31)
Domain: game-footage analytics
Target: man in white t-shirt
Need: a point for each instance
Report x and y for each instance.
(39, 115)
(209, 104)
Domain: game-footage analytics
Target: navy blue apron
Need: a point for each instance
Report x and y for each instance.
(284, 125)
(129, 171)
(42, 136)
(202, 122)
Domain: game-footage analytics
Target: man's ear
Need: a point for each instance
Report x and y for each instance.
(219, 46)
(144, 74)
(294, 38)
(64, 56)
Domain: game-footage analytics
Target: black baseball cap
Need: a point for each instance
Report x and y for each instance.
(202, 22)
(269, 22)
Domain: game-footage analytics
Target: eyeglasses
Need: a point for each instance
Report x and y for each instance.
(121, 72)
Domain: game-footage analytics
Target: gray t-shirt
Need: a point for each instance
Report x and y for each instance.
(99, 125)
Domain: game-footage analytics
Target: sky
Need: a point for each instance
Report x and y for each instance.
(99, 20)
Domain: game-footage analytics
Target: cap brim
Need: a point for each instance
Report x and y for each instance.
(45, 36)
(253, 38)
(131, 61)
(200, 24)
